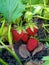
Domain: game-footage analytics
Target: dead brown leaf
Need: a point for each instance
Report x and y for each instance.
(31, 62)
(23, 51)
(38, 49)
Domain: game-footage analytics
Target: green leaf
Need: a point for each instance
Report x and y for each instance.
(0, 49)
(45, 39)
(47, 44)
(46, 63)
(37, 1)
(33, 1)
(46, 58)
(37, 10)
(11, 9)
(46, 12)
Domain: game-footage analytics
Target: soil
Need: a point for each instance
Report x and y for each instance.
(6, 56)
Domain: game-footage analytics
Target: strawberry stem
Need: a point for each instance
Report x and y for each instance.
(3, 62)
(44, 3)
(1, 29)
(9, 35)
(12, 52)
(30, 5)
(45, 25)
(20, 27)
(21, 23)
(46, 29)
(41, 17)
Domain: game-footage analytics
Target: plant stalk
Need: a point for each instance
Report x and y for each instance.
(10, 37)
(1, 29)
(3, 62)
(12, 52)
(41, 17)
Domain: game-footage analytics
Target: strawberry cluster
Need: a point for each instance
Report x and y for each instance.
(31, 43)
(19, 36)
(30, 29)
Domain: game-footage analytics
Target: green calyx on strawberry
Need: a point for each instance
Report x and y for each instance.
(31, 29)
(32, 44)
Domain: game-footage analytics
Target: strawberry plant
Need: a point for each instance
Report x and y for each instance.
(46, 59)
(11, 11)
(17, 23)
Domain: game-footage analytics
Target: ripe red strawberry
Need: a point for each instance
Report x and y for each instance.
(24, 37)
(16, 35)
(29, 31)
(32, 44)
(32, 32)
(35, 30)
